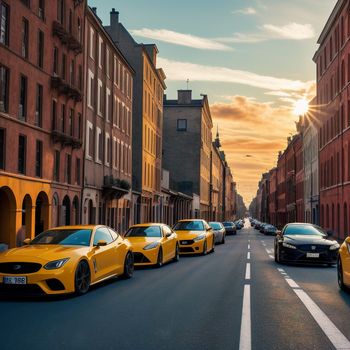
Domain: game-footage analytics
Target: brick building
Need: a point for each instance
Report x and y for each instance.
(333, 94)
(108, 140)
(281, 190)
(272, 204)
(41, 83)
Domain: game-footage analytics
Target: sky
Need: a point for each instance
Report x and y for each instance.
(253, 58)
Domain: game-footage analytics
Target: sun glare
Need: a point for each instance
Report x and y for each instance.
(301, 107)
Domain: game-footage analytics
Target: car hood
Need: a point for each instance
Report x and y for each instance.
(43, 253)
(189, 234)
(302, 239)
(140, 242)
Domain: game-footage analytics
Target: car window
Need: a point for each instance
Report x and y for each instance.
(64, 237)
(113, 234)
(189, 226)
(144, 231)
(303, 230)
(102, 234)
(215, 225)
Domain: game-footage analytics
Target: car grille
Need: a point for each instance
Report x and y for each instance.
(19, 268)
(139, 258)
(187, 242)
(28, 290)
(313, 248)
(186, 250)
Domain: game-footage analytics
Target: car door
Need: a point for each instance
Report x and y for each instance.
(169, 243)
(120, 249)
(104, 258)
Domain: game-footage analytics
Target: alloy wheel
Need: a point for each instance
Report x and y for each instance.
(82, 278)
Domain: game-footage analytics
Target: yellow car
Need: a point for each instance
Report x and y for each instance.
(343, 265)
(66, 260)
(153, 244)
(194, 237)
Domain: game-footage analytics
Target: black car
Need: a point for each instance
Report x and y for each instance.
(270, 230)
(230, 227)
(305, 243)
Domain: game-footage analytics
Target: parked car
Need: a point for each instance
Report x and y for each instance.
(194, 237)
(257, 225)
(239, 224)
(219, 231)
(230, 227)
(66, 260)
(305, 243)
(343, 265)
(270, 230)
(153, 244)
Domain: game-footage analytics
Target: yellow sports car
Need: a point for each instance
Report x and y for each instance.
(343, 265)
(194, 237)
(153, 244)
(66, 260)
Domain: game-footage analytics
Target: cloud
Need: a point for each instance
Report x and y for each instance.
(255, 129)
(181, 39)
(246, 11)
(290, 31)
(181, 71)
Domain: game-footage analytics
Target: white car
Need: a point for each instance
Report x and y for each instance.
(218, 231)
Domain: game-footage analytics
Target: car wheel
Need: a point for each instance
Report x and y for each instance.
(223, 239)
(128, 266)
(213, 247)
(177, 253)
(204, 248)
(82, 278)
(340, 274)
(160, 258)
(277, 255)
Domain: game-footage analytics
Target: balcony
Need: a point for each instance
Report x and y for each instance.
(114, 188)
(72, 92)
(66, 38)
(58, 136)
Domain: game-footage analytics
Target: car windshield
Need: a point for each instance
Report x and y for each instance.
(144, 231)
(306, 230)
(189, 226)
(64, 237)
(215, 225)
(228, 224)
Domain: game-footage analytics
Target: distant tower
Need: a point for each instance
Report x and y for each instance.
(217, 140)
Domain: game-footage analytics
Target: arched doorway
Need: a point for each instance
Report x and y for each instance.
(66, 211)
(7, 215)
(75, 213)
(55, 210)
(41, 213)
(26, 228)
(91, 212)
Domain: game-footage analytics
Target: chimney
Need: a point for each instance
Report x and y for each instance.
(94, 10)
(114, 18)
(184, 97)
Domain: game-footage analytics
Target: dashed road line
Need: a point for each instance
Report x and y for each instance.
(248, 256)
(245, 342)
(247, 272)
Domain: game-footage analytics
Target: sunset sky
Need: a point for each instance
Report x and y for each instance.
(253, 58)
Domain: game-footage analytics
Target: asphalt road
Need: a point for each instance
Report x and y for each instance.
(210, 302)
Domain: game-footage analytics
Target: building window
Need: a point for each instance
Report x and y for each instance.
(72, 73)
(54, 115)
(60, 11)
(22, 145)
(63, 118)
(55, 61)
(39, 158)
(41, 12)
(182, 125)
(40, 49)
(70, 121)
(99, 146)
(39, 105)
(68, 168)
(90, 92)
(2, 148)
(99, 98)
(108, 99)
(25, 34)
(79, 126)
(4, 23)
(77, 172)
(79, 29)
(4, 88)
(108, 147)
(70, 22)
(56, 170)
(80, 77)
(22, 111)
(100, 51)
(64, 67)
(90, 140)
(26, 2)
(92, 40)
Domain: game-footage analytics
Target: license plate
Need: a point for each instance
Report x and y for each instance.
(184, 242)
(312, 255)
(15, 280)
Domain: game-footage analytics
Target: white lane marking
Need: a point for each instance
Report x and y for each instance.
(245, 342)
(271, 256)
(248, 240)
(247, 272)
(291, 283)
(280, 270)
(248, 246)
(248, 255)
(264, 244)
(332, 332)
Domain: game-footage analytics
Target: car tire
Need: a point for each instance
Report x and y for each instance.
(340, 275)
(82, 278)
(177, 253)
(223, 239)
(128, 266)
(205, 248)
(160, 258)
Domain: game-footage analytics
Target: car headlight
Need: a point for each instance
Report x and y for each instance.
(290, 246)
(151, 246)
(56, 264)
(335, 246)
(199, 238)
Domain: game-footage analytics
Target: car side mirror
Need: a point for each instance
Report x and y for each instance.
(168, 234)
(101, 243)
(27, 241)
(209, 229)
(278, 233)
